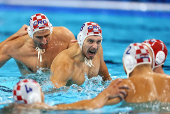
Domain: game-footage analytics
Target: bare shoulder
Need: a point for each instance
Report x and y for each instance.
(63, 32)
(61, 29)
(126, 81)
(161, 76)
(62, 55)
(62, 58)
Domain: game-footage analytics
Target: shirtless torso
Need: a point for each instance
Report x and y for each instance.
(67, 69)
(81, 69)
(84, 58)
(24, 52)
(148, 86)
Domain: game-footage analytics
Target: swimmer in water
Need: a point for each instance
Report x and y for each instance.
(158, 52)
(84, 58)
(27, 93)
(145, 85)
(35, 46)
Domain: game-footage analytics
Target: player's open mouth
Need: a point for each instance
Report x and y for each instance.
(43, 45)
(92, 52)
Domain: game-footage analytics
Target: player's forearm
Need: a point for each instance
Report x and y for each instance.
(105, 76)
(14, 36)
(3, 59)
(113, 101)
(94, 103)
(103, 71)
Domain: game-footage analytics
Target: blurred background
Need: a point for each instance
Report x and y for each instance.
(122, 21)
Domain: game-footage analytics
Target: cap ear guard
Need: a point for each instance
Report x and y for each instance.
(129, 64)
(29, 32)
(159, 51)
(34, 98)
(51, 28)
(80, 40)
(160, 57)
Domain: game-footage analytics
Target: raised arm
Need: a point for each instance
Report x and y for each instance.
(6, 45)
(103, 71)
(4, 56)
(111, 92)
(61, 70)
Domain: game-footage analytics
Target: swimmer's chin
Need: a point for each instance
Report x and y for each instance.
(43, 46)
(90, 56)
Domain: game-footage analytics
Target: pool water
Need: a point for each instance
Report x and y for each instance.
(120, 28)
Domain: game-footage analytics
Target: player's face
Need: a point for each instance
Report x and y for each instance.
(91, 46)
(41, 38)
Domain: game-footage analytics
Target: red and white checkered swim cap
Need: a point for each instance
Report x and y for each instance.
(159, 51)
(88, 29)
(38, 22)
(134, 55)
(27, 91)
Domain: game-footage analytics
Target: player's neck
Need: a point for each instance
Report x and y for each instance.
(159, 70)
(79, 56)
(141, 70)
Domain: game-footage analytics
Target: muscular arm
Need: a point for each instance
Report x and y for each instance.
(112, 91)
(94, 103)
(5, 45)
(4, 57)
(61, 70)
(103, 71)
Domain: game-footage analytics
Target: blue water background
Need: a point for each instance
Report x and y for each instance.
(120, 28)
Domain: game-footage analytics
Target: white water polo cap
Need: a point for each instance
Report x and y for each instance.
(38, 22)
(159, 51)
(27, 91)
(134, 55)
(88, 29)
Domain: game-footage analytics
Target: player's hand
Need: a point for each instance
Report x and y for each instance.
(115, 89)
(23, 30)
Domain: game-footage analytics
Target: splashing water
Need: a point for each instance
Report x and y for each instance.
(90, 89)
(152, 106)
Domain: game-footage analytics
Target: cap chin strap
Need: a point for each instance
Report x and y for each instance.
(88, 62)
(40, 52)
